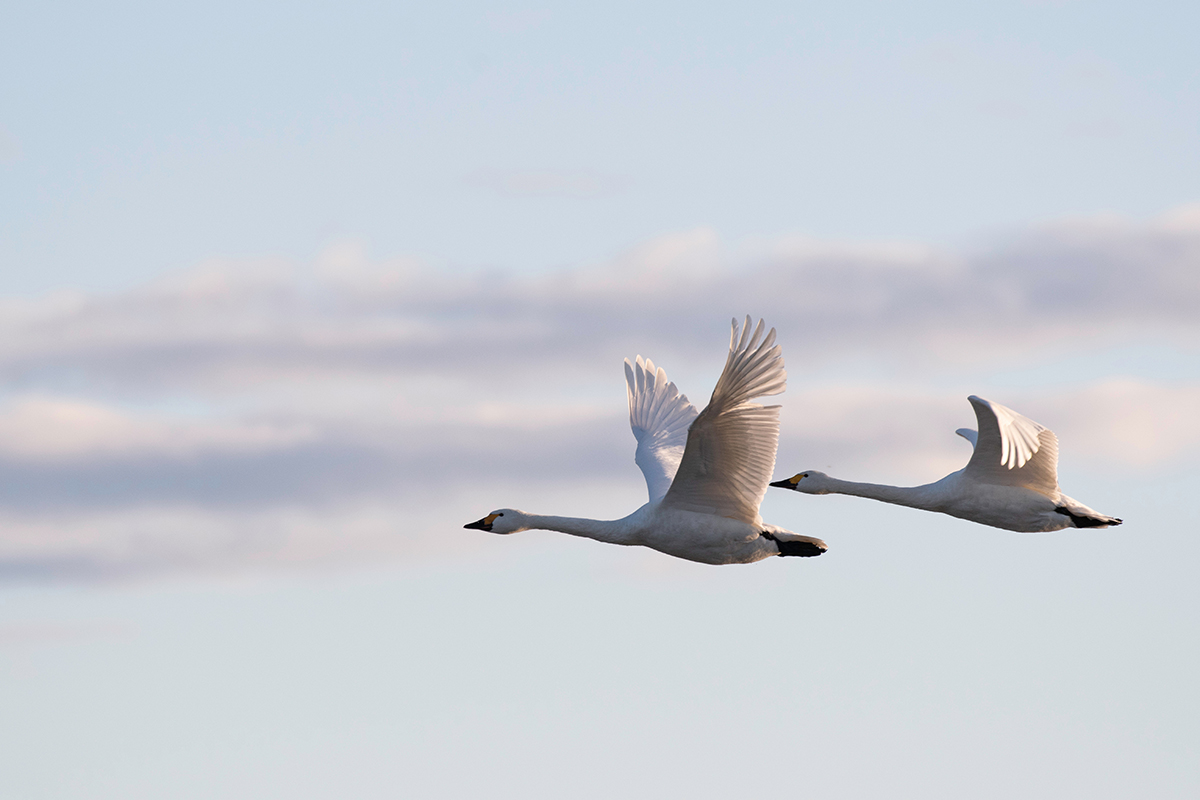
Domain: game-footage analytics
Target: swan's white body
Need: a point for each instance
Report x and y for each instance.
(1011, 481)
(706, 473)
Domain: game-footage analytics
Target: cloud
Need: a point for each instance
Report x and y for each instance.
(238, 324)
(250, 414)
(1129, 423)
(906, 435)
(361, 500)
(53, 429)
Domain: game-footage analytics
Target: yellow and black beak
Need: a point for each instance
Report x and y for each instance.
(788, 483)
(484, 524)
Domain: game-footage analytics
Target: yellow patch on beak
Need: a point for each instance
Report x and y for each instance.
(489, 519)
(795, 478)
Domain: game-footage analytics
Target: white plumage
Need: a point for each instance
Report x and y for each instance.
(1011, 481)
(706, 473)
(660, 417)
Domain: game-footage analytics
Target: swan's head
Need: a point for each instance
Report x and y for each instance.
(810, 482)
(502, 520)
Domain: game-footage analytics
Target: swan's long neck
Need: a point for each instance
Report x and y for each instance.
(912, 496)
(614, 531)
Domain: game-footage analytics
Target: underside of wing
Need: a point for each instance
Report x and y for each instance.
(1012, 450)
(731, 446)
(659, 416)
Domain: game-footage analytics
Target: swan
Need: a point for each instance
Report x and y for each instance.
(1011, 481)
(706, 473)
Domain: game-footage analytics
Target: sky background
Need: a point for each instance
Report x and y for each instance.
(289, 293)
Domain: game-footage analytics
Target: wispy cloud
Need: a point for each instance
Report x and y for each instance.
(268, 413)
(53, 430)
(241, 323)
(902, 434)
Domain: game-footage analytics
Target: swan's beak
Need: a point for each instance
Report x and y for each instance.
(788, 483)
(484, 524)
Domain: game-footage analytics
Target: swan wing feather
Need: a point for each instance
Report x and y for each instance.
(731, 445)
(1012, 450)
(659, 415)
(968, 434)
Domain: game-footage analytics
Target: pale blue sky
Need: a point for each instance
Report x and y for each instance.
(141, 138)
(291, 292)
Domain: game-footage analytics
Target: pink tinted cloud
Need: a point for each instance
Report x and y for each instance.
(268, 414)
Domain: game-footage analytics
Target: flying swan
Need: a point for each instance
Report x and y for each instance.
(706, 473)
(1011, 481)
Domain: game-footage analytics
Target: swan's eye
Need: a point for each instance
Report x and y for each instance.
(499, 515)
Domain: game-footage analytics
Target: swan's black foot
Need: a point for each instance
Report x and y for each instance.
(1087, 522)
(802, 549)
(795, 548)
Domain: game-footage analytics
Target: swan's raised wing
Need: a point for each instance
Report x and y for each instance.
(730, 451)
(659, 416)
(1012, 450)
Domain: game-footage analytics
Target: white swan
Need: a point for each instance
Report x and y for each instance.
(1011, 481)
(707, 473)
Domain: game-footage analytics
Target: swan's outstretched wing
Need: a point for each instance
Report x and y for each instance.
(730, 451)
(659, 416)
(1012, 450)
